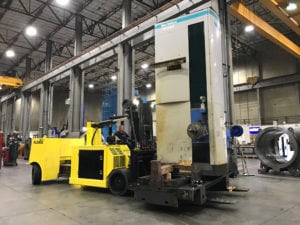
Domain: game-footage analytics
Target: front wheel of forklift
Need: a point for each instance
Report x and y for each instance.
(36, 174)
(118, 182)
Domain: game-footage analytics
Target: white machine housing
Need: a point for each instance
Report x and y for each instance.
(173, 104)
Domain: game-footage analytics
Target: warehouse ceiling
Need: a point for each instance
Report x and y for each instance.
(54, 22)
(102, 18)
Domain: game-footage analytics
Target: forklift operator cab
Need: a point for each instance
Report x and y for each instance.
(97, 165)
(121, 137)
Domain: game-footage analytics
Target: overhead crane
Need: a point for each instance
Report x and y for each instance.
(10, 82)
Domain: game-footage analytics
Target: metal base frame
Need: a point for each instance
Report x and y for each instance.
(177, 191)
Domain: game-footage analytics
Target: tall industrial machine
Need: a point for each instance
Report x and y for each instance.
(191, 134)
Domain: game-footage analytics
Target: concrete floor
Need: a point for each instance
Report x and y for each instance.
(272, 200)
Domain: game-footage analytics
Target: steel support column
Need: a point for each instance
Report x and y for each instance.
(25, 112)
(1, 116)
(29, 102)
(297, 91)
(44, 94)
(28, 67)
(125, 77)
(259, 105)
(126, 13)
(78, 34)
(51, 90)
(44, 109)
(258, 94)
(75, 119)
(22, 114)
(25, 106)
(48, 59)
(76, 84)
(128, 75)
(10, 111)
(120, 88)
(3, 122)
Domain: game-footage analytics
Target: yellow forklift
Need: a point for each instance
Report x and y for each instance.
(89, 161)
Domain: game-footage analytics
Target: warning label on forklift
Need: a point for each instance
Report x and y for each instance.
(38, 142)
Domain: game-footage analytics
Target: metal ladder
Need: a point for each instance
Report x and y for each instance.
(242, 163)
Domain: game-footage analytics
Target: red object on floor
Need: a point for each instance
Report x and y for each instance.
(6, 156)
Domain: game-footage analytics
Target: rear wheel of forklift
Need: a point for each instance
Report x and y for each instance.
(118, 182)
(36, 174)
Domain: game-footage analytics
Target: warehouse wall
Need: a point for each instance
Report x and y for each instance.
(277, 62)
(281, 103)
(243, 68)
(3, 116)
(274, 62)
(93, 105)
(277, 102)
(92, 108)
(246, 107)
(60, 108)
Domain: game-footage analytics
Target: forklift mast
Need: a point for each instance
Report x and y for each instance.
(141, 124)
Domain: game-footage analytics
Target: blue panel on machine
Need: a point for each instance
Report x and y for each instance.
(196, 114)
(109, 108)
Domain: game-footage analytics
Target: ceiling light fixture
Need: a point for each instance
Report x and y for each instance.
(291, 6)
(91, 86)
(63, 2)
(10, 53)
(31, 31)
(148, 85)
(249, 28)
(113, 77)
(144, 66)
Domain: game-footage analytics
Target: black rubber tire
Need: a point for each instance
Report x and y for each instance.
(36, 174)
(118, 182)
